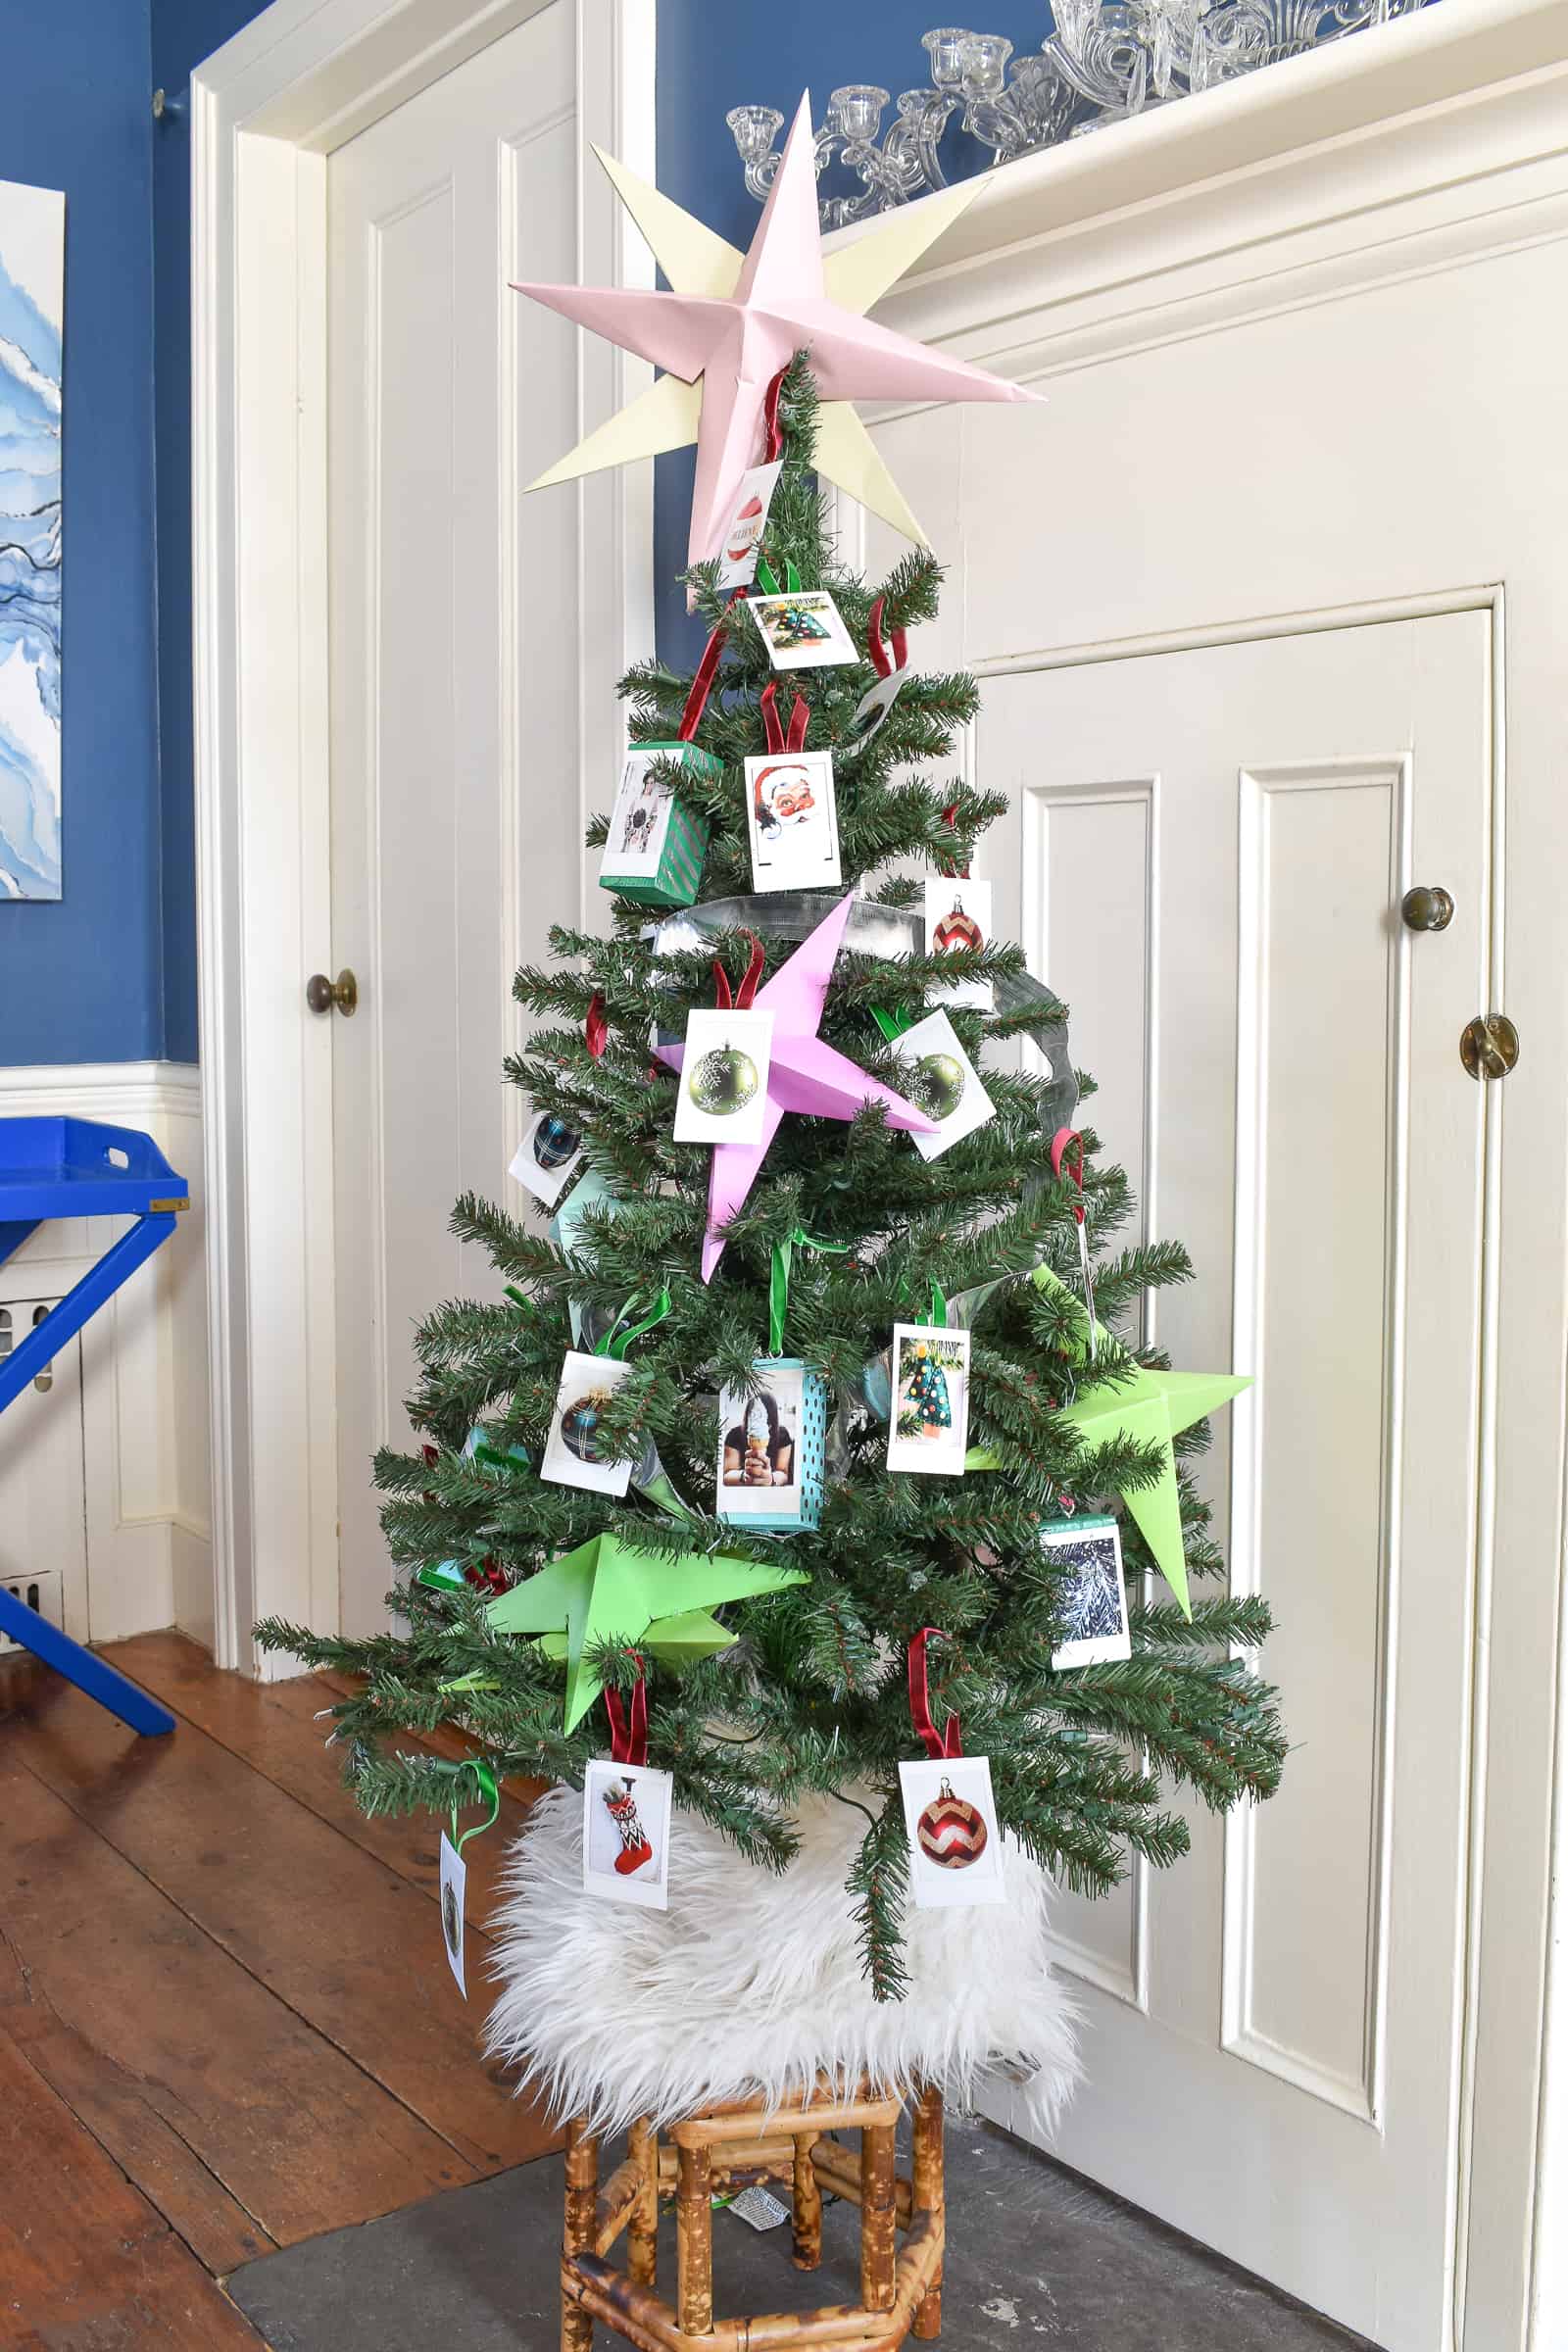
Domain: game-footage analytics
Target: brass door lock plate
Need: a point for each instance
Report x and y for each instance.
(1489, 1046)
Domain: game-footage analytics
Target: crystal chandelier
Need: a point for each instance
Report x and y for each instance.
(1105, 59)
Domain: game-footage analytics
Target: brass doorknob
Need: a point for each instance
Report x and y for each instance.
(1489, 1046)
(1427, 907)
(341, 994)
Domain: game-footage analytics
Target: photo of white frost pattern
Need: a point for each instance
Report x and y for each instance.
(32, 253)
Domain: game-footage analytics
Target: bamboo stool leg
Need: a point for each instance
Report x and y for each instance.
(808, 2204)
(929, 2196)
(694, 2243)
(582, 2191)
(642, 2234)
(879, 2235)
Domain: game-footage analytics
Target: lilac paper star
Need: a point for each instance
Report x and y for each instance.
(735, 335)
(804, 1075)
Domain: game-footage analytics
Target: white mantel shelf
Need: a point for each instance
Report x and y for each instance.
(1412, 71)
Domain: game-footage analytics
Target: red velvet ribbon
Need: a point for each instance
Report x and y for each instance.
(773, 446)
(741, 1000)
(949, 818)
(702, 683)
(938, 1744)
(878, 651)
(1067, 1152)
(596, 1029)
(778, 740)
(628, 1735)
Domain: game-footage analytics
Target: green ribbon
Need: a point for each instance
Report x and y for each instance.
(488, 1789)
(893, 1024)
(616, 1342)
(469, 1681)
(767, 577)
(937, 1317)
(778, 1284)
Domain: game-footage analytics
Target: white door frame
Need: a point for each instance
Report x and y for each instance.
(267, 111)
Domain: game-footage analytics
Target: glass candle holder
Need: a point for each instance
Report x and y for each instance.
(855, 110)
(754, 130)
(946, 48)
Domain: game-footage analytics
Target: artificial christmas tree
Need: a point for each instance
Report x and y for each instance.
(809, 1699)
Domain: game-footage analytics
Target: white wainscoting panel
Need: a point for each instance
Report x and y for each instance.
(140, 1400)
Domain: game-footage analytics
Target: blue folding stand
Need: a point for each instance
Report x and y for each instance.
(78, 1168)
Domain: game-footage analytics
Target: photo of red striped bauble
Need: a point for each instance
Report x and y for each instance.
(953, 1832)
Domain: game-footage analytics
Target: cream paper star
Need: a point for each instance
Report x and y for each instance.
(732, 320)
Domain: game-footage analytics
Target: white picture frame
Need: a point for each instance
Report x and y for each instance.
(639, 821)
(740, 1044)
(624, 1806)
(960, 1883)
(742, 540)
(569, 1459)
(792, 821)
(936, 1450)
(742, 1413)
(803, 630)
(950, 1078)
(541, 1163)
(1097, 1603)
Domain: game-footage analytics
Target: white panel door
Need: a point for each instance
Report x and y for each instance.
(457, 832)
(1215, 847)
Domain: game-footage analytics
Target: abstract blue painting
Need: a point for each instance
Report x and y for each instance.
(32, 255)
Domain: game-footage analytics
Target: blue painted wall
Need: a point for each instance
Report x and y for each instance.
(711, 59)
(82, 981)
(183, 33)
(110, 973)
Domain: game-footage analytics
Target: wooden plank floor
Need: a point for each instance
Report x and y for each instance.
(226, 2020)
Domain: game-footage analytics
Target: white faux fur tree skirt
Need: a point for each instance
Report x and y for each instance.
(753, 1981)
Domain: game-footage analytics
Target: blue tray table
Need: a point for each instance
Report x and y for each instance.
(61, 1167)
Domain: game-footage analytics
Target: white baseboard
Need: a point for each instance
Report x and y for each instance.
(143, 1391)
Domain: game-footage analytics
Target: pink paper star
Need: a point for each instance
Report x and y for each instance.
(736, 343)
(804, 1075)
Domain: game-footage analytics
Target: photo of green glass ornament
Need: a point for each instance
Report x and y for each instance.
(936, 1084)
(724, 1084)
(724, 1081)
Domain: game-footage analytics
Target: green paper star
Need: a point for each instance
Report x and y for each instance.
(1147, 1408)
(608, 1591)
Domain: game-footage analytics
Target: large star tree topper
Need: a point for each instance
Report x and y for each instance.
(732, 321)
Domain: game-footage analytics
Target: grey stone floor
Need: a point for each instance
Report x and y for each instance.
(1038, 2255)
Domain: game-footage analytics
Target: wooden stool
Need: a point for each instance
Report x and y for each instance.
(730, 2147)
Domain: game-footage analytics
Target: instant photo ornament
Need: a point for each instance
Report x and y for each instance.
(792, 821)
(773, 1443)
(547, 1158)
(743, 533)
(572, 1458)
(928, 1429)
(806, 1075)
(730, 321)
(1092, 1594)
(724, 1079)
(625, 1833)
(654, 848)
(803, 630)
(958, 917)
(943, 1082)
(949, 1815)
(591, 1190)
(454, 1885)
